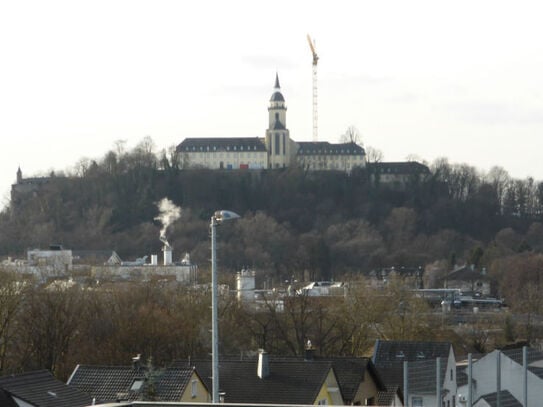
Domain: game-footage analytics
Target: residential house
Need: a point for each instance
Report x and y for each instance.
(397, 175)
(39, 389)
(138, 382)
(359, 381)
(274, 381)
(511, 370)
(491, 400)
(422, 369)
(469, 280)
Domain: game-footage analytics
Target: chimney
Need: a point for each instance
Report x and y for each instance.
(167, 254)
(309, 351)
(136, 362)
(263, 369)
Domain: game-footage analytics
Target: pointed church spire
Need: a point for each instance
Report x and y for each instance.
(277, 86)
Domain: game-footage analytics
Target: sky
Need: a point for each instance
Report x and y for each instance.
(425, 79)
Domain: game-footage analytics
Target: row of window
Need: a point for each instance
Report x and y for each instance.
(330, 151)
(205, 156)
(328, 158)
(214, 148)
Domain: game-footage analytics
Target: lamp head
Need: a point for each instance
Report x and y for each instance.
(224, 215)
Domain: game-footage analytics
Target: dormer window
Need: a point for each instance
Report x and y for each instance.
(420, 355)
(400, 355)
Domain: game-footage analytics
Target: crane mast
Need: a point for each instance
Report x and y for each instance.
(315, 110)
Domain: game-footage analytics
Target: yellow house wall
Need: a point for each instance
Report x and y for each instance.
(202, 395)
(332, 398)
(366, 390)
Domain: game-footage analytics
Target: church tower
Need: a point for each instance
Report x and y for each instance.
(278, 141)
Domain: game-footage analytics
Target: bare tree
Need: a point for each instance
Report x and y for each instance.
(351, 135)
(373, 155)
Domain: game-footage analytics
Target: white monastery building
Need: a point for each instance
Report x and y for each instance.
(276, 150)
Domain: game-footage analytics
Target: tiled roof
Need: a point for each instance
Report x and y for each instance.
(240, 144)
(385, 398)
(350, 373)
(506, 399)
(326, 148)
(112, 383)
(399, 351)
(40, 388)
(289, 382)
(389, 356)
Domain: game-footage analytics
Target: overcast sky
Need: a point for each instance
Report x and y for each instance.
(457, 79)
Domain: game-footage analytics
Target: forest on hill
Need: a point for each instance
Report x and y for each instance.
(295, 223)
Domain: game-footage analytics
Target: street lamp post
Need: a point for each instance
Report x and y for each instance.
(217, 218)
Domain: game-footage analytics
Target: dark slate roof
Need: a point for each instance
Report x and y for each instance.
(326, 148)
(467, 274)
(40, 388)
(412, 351)
(506, 399)
(221, 144)
(277, 86)
(350, 373)
(112, 383)
(403, 167)
(277, 97)
(461, 376)
(388, 357)
(385, 398)
(289, 381)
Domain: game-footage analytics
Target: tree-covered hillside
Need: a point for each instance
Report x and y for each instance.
(323, 224)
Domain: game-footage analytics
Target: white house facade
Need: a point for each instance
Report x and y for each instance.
(510, 366)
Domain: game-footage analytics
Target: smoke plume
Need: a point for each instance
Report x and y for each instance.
(168, 213)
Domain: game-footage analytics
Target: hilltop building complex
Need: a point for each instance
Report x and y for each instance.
(275, 150)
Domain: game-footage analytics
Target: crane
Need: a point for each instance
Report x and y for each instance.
(315, 110)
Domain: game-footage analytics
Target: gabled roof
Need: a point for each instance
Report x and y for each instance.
(112, 383)
(350, 372)
(388, 357)
(467, 274)
(289, 381)
(386, 352)
(41, 389)
(506, 399)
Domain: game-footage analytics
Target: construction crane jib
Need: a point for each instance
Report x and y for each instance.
(315, 110)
